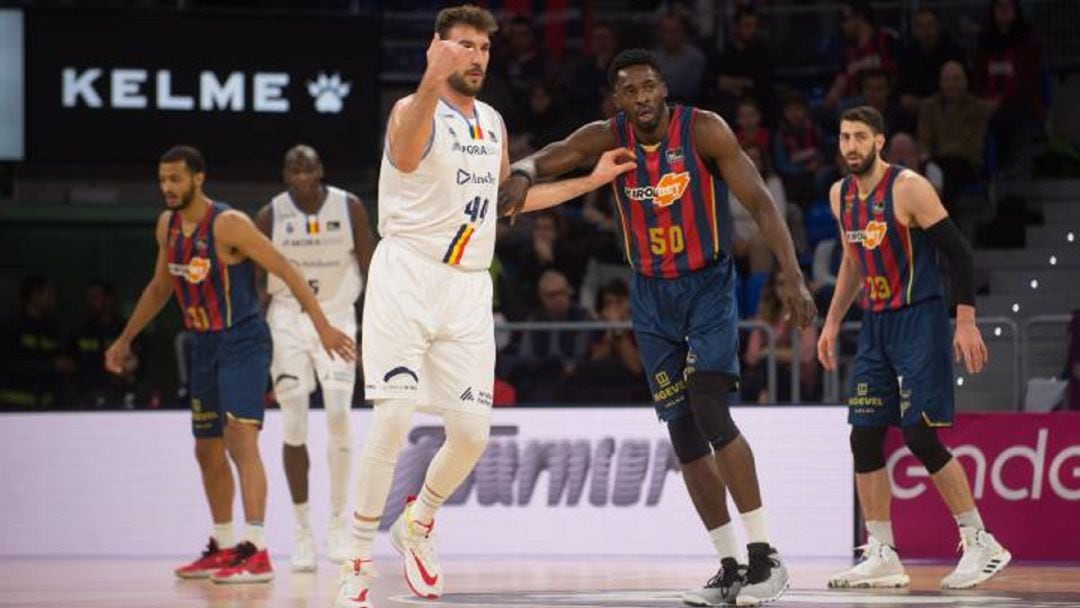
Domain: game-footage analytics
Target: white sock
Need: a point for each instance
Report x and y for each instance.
(223, 534)
(466, 439)
(881, 530)
(429, 501)
(253, 533)
(970, 519)
(754, 524)
(723, 538)
(303, 515)
(363, 533)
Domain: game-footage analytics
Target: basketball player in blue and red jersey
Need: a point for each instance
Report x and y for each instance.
(675, 229)
(206, 256)
(891, 222)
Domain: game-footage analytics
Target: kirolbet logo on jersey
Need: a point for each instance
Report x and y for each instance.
(194, 272)
(669, 189)
(869, 237)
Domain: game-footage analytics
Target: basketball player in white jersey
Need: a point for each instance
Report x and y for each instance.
(428, 332)
(323, 231)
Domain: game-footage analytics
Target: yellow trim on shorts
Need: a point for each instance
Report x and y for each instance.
(233, 417)
(932, 424)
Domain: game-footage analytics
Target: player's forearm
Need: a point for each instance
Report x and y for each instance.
(411, 131)
(551, 161)
(775, 232)
(542, 196)
(848, 284)
(153, 299)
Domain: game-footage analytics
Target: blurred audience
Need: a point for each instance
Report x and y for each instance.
(585, 77)
(799, 150)
(745, 68)
(920, 66)
(866, 47)
(681, 61)
(97, 388)
(754, 383)
(612, 373)
(35, 369)
(902, 150)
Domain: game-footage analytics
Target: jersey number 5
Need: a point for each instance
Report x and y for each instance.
(665, 240)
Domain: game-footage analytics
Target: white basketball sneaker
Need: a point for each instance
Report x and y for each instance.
(354, 585)
(983, 557)
(880, 567)
(303, 556)
(413, 541)
(337, 540)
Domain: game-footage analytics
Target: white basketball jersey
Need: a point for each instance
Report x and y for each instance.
(321, 247)
(447, 208)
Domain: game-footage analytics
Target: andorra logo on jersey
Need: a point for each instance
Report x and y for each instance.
(194, 272)
(869, 237)
(669, 189)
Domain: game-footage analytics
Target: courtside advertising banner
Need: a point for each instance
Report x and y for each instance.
(566, 481)
(118, 88)
(1024, 471)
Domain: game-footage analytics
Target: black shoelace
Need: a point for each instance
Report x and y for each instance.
(243, 551)
(727, 576)
(760, 566)
(211, 548)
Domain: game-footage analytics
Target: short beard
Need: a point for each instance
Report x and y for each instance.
(867, 165)
(185, 201)
(457, 82)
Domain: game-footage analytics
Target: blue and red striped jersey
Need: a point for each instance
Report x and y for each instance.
(673, 209)
(897, 262)
(212, 295)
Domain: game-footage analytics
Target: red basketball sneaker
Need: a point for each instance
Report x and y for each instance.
(249, 565)
(214, 558)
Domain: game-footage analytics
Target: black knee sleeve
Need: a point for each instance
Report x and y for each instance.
(925, 445)
(708, 393)
(868, 448)
(686, 439)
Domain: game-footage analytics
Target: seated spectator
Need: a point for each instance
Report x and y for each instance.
(754, 383)
(799, 151)
(745, 68)
(877, 92)
(866, 48)
(541, 360)
(518, 64)
(952, 131)
(546, 119)
(748, 126)
(606, 258)
(920, 65)
(901, 150)
(1007, 72)
(751, 251)
(681, 61)
(585, 78)
(35, 370)
(613, 371)
(548, 245)
(95, 387)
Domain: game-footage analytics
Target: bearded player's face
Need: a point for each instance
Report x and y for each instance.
(178, 184)
(470, 80)
(859, 145)
(640, 92)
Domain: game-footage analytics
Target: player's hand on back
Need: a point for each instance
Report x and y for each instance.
(117, 355)
(446, 57)
(337, 343)
(512, 194)
(796, 299)
(612, 164)
(969, 346)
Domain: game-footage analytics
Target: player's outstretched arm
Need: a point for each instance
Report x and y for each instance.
(848, 285)
(411, 121)
(611, 164)
(264, 221)
(716, 141)
(153, 299)
(236, 230)
(554, 159)
(917, 204)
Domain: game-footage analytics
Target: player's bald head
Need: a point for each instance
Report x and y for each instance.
(302, 157)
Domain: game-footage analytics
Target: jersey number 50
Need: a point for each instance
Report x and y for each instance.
(666, 240)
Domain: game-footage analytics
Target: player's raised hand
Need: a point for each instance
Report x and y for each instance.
(796, 299)
(117, 355)
(969, 346)
(826, 346)
(336, 342)
(446, 58)
(612, 164)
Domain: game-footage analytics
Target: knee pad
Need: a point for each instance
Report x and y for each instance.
(708, 392)
(294, 415)
(686, 439)
(338, 405)
(925, 445)
(868, 448)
